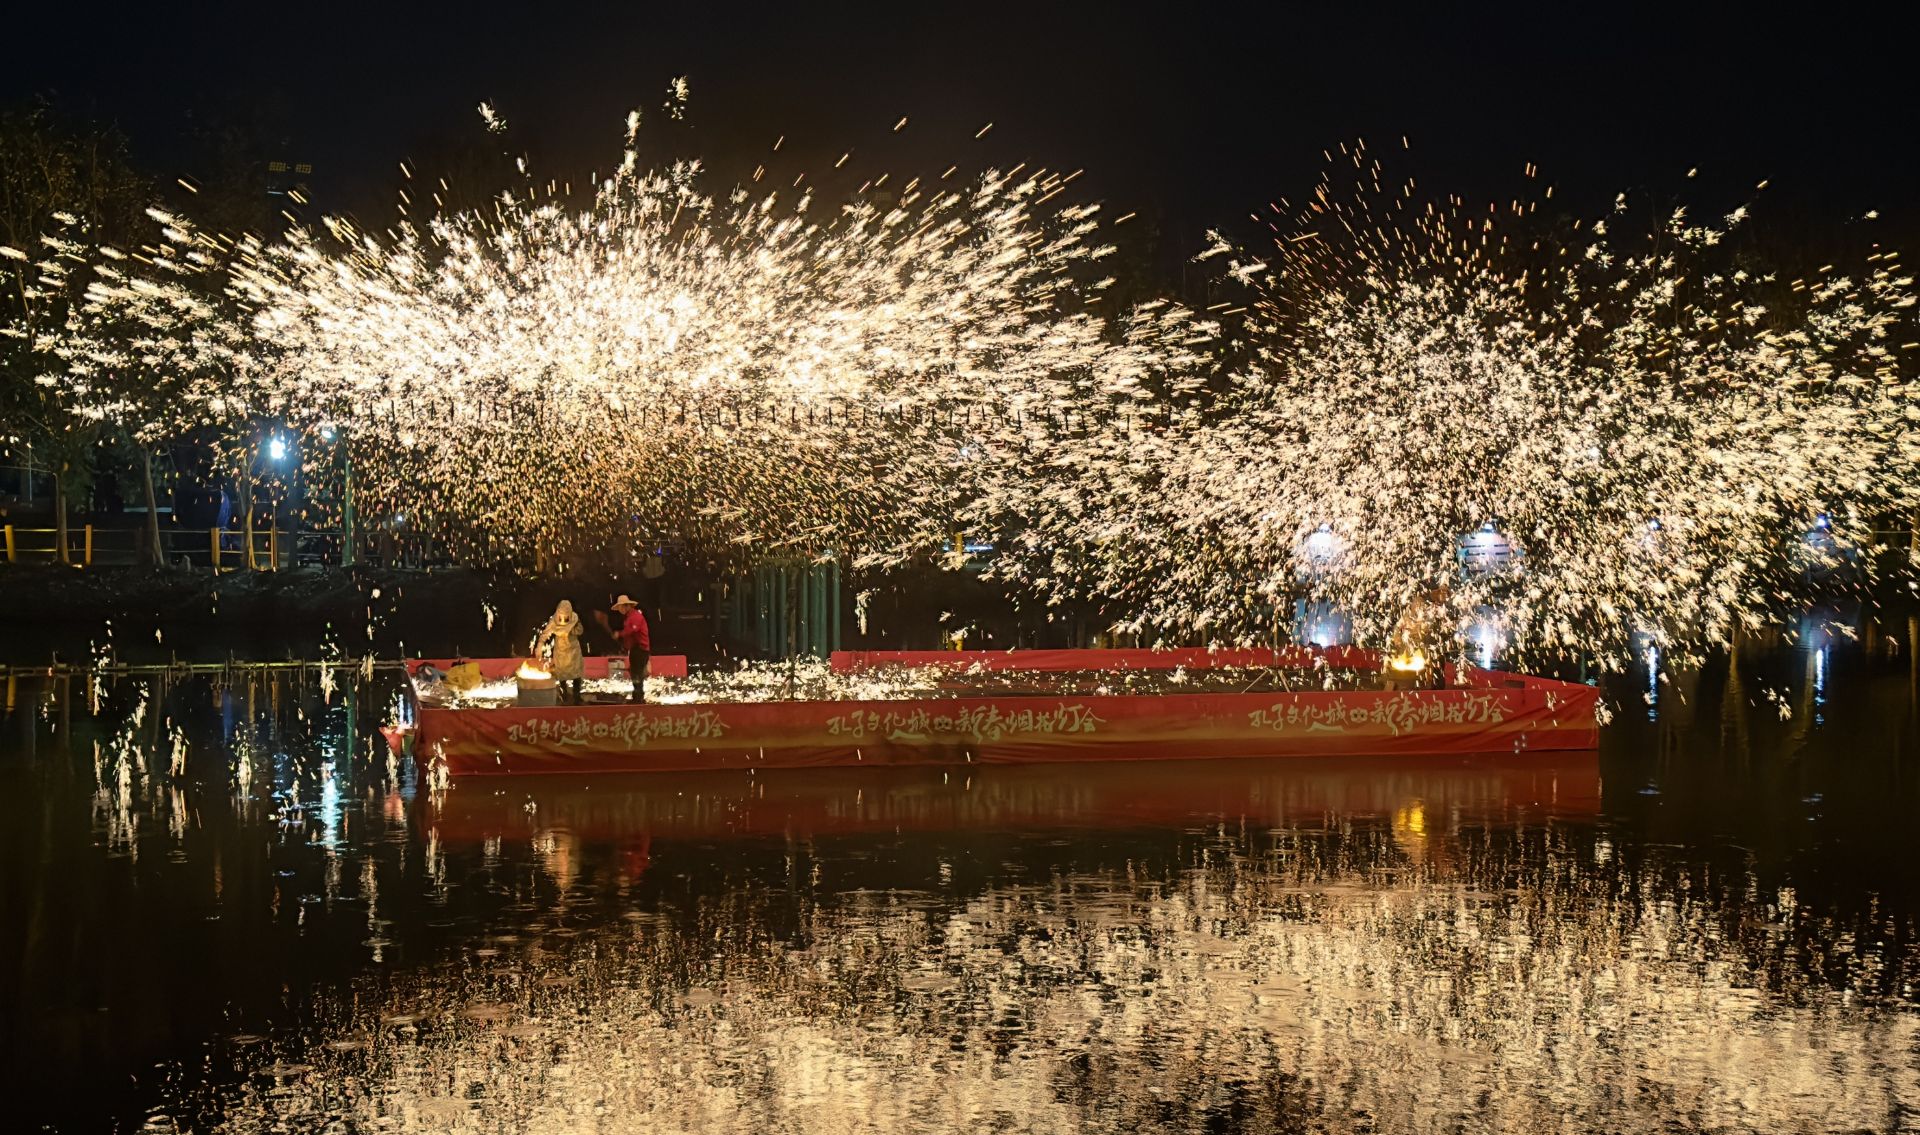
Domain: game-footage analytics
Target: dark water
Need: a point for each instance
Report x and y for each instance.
(226, 908)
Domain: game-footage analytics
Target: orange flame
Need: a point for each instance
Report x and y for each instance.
(1409, 663)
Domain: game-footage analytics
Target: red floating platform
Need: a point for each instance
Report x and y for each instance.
(1482, 712)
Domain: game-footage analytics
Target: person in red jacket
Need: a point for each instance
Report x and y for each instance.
(633, 635)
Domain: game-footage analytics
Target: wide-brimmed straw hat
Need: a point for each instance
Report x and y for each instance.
(624, 601)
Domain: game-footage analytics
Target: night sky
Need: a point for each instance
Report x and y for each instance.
(1185, 113)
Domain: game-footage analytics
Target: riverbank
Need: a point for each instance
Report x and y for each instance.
(50, 608)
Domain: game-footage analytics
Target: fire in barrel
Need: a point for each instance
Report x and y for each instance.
(534, 686)
(1405, 671)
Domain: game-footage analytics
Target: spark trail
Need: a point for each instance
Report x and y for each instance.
(1649, 424)
(1644, 416)
(749, 372)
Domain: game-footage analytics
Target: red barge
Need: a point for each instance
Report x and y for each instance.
(1479, 712)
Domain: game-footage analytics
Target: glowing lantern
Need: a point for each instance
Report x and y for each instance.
(1823, 556)
(1487, 550)
(1320, 557)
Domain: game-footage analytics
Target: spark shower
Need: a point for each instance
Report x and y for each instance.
(1646, 413)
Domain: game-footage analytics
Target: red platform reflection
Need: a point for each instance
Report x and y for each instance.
(797, 803)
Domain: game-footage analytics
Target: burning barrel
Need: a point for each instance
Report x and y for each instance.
(535, 687)
(1404, 671)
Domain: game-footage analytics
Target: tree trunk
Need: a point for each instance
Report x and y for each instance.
(246, 517)
(293, 539)
(296, 509)
(60, 516)
(348, 555)
(158, 553)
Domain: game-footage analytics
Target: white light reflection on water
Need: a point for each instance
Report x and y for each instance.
(1652, 659)
(1210, 947)
(1820, 685)
(1295, 985)
(330, 812)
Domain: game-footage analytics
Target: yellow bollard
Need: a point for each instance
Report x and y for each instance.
(213, 543)
(9, 543)
(86, 558)
(273, 548)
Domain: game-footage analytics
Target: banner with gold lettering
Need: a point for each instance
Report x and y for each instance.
(1517, 716)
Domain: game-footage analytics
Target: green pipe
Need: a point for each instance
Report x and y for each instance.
(833, 623)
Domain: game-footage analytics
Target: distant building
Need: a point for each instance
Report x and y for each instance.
(287, 183)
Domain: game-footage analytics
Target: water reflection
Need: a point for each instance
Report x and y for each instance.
(803, 804)
(228, 907)
(1269, 992)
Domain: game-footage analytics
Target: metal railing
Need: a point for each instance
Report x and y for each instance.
(177, 668)
(216, 549)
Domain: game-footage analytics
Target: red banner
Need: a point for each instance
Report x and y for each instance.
(1515, 717)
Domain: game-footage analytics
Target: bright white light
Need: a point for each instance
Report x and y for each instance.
(277, 448)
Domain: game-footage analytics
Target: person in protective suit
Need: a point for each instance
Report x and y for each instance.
(566, 663)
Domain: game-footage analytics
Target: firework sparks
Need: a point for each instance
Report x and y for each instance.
(1560, 438)
(748, 372)
(1643, 436)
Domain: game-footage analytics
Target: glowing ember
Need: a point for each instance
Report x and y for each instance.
(530, 672)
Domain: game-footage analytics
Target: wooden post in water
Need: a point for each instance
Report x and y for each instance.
(353, 717)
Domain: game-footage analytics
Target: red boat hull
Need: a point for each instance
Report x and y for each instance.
(1493, 713)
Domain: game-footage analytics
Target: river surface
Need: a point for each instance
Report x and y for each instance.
(225, 907)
